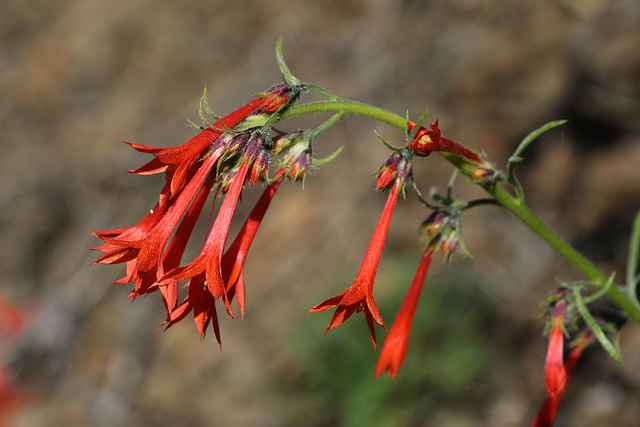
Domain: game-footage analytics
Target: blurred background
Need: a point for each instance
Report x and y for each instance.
(77, 77)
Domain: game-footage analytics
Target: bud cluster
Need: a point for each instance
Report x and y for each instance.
(442, 231)
(296, 150)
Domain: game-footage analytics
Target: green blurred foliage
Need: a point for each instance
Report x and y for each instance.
(331, 381)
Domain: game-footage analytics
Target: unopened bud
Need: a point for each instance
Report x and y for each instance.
(275, 97)
(395, 167)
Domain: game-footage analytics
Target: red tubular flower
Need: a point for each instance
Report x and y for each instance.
(427, 141)
(554, 371)
(547, 414)
(210, 258)
(359, 296)
(557, 371)
(220, 157)
(234, 258)
(395, 344)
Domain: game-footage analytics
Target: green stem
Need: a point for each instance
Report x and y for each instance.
(347, 107)
(514, 205)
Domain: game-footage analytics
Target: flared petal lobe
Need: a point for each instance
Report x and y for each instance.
(359, 296)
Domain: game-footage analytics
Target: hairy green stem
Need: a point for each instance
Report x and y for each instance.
(513, 204)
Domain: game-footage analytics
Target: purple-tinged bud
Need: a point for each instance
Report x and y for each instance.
(395, 167)
(275, 97)
(237, 143)
(253, 145)
(298, 159)
(298, 169)
(441, 231)
(259, 167)
(226, 179)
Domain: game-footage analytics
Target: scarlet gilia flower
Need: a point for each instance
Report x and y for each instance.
(359, 296)
(395, 344)
(224, 156)
(547, 414)
(427, 141)
(234, 258)
(556, 370)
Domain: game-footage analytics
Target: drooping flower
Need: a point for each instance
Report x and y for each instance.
(359, 296)
(224, 156)
(234, 258)
(395, 344)
(210, 259)
(555, 373)
(557, 370)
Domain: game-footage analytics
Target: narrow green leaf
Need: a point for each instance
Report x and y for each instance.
(595, 328)
(286, 73)
(601, 292)
(329, 157)
(516, 156)
(632, 264)
(384, 141)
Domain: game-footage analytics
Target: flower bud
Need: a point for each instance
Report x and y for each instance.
(395, 167)
(441, 231)
(259, 167)
(275, 97)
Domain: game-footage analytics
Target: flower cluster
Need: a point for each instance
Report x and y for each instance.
(221, 159)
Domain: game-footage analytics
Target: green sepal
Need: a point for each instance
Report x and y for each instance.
(601, 292)
(387, 144)
(329, 158)
(516, 156)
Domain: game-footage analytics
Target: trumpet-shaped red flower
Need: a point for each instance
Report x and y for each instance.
(558, 371)
(210, 259)
(555, 373)
(219, 157)
(395, 344)
(234, 258)
(359, 296)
